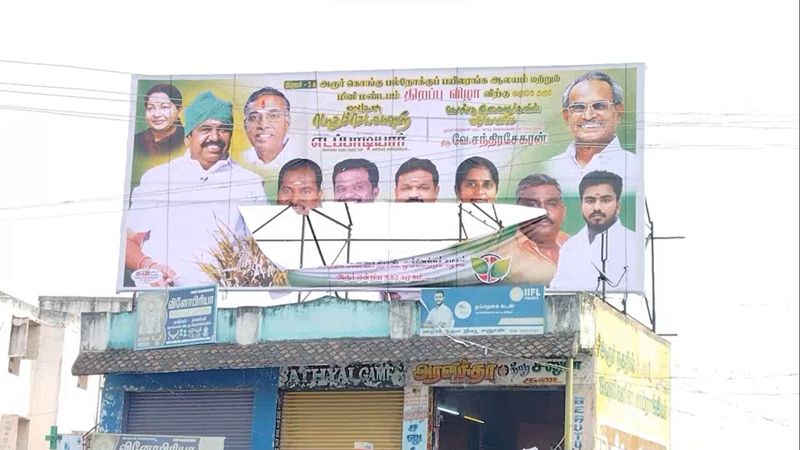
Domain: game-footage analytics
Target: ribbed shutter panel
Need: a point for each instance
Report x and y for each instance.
(334, 420)
(227, 413)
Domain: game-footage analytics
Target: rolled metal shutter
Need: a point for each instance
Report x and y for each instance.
(226, 413)
(334, 420)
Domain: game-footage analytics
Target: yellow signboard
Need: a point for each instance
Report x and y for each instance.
(632, 379)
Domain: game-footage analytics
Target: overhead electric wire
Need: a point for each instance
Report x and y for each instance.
(298, 110)
(63, 66)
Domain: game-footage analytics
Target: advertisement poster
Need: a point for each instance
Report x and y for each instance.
(490, 310)
(566, 139)
(175, 317)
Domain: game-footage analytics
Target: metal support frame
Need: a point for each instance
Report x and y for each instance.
(651, 239)
(491, 220)
(486, 216)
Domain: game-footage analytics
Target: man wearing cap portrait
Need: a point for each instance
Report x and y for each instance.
(181, 208)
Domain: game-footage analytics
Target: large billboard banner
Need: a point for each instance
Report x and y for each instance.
(565, 139)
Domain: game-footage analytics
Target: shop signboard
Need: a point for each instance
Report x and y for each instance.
(176, 317)
(379, 375)
(109, 441)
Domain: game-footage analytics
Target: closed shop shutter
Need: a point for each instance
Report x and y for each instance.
(227, 413)
(334, 420)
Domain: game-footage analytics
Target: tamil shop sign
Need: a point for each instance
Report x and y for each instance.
(380, 375)
(107, 441)
(175, 317)
(516, 372)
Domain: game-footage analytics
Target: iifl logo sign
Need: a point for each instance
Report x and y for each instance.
(490, 268)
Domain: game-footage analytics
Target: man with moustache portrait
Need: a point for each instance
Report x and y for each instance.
(300, 185)
(182, 207)
(592, 107)
(416, 180)
(536, 245)
(355, 180)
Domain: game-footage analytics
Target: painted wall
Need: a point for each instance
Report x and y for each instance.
(325, 318)
(264, 383)
(632, 383)
(46, 381)
(329, 317)
(319, 319)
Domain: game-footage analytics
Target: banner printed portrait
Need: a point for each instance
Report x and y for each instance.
(446, 135)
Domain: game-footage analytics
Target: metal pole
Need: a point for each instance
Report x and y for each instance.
(302, 247)
(568, 401)
(652, 265)
(653, 271)
(603, 258)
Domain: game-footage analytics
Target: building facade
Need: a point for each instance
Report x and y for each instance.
(38, 390)
(348, 374)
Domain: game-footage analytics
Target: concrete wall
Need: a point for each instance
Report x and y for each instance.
(14, 389)
(325, 318)
(330, 318)
(264, 383)
(567, 314)
(319, 319)
(46, 381)
(77, 305)
(77, 410)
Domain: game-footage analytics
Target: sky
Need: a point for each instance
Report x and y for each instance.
(721, 150)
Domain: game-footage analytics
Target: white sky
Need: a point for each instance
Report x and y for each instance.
(721, 107)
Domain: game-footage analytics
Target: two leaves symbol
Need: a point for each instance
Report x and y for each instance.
(499, 269)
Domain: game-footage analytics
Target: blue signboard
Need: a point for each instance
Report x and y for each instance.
(191, 314)
(485, 310)
(180, 316)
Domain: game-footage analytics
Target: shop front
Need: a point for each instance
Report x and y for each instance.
(343, 407)
(496, 404)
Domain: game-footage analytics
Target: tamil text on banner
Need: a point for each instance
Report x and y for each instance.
(632, 383)
(567, 139)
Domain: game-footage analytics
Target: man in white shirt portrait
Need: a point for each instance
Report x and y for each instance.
(592, 107)
(580, 262)
(266, 123)
(440, 316)
(182, 208)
